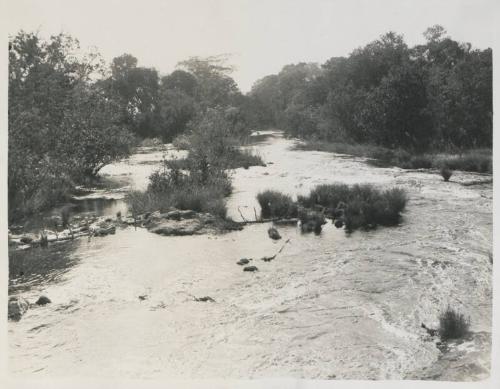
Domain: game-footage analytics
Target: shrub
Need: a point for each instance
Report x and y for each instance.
(65, 216)
(326, 195)
(151, 142)
(474, 161)
(446, 173)
(243, 158)
(311, 220)
(452, 324)
(423, 161)
(276, 204)
(363, 205)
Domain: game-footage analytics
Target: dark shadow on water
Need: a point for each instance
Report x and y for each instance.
(38, 266)
(99, 207)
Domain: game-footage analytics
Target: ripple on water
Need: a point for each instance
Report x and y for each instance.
(349, 306)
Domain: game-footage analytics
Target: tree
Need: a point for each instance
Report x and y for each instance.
(215, 87)
(135, 90)
(57, 119)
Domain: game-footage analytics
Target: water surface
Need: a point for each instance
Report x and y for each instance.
(329, 306)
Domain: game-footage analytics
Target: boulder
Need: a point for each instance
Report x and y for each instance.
(177, 228)
(17, 307)
(102, 229)
(243, 261)
(28, 238)
(205, 299)
(177, 214)
(250, 268)
(273, 233)
(42, 300)
(339, 223)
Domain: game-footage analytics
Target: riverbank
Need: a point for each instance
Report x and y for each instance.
(474, 160)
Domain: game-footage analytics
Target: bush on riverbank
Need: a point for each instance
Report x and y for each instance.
(453, 324)
(274, 204)
(62, 126)
(479, 161)
(201, 188)
(198, 182)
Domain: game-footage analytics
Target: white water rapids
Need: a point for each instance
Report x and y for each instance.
(329, 306)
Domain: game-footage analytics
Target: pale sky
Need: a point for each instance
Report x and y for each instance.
(262, 35)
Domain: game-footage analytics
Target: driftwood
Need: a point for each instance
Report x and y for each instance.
(268, 259)
(275, 219)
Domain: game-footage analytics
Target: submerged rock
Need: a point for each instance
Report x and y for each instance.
(17, 307)
(243, 261)
(205, 299)
(273, 233)
(250, 268)
(42, 300)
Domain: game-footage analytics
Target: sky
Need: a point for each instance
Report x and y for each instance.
(261, 35)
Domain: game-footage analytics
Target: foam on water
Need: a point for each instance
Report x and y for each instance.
(333, 305)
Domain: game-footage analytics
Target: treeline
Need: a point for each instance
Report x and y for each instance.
(435, 96)
(70, 113)
(164, 107)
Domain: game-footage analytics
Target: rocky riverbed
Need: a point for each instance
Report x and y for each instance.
(140, 304)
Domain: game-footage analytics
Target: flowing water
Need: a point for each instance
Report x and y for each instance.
(329, 306)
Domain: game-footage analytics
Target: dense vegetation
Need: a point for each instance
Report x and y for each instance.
(431, 97)
(200, 181)
(62, 126)
(356, 206)
(70, 114)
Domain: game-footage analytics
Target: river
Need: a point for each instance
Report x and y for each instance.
(334, 305)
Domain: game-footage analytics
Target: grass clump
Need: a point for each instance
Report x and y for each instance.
(479, 161)
(446, 173)
(274, 204)
(311, 220)
(475, 160)
(358, 206)
(201, 188)
(453, 324)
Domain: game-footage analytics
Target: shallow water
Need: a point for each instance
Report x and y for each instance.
(329, 306)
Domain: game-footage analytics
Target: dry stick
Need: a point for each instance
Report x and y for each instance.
(244, 220)
(279, 251)
(255, 213)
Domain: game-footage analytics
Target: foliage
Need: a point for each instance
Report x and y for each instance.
(446, 173)
(431, 97)
(363, 206)
(275, 204)
(62, 127)
(453, 324)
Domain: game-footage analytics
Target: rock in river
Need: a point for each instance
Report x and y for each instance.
(17, 308)
(42, 300)
(273, 233)
(174, 227)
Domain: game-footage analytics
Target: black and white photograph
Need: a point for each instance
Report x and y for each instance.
(282, 192)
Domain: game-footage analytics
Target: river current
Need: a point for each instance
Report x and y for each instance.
(334, 305)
